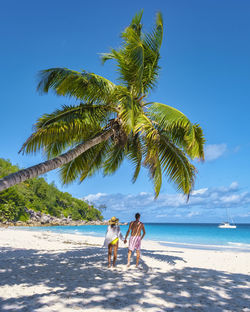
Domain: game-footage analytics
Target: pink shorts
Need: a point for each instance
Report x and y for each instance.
(134, 243)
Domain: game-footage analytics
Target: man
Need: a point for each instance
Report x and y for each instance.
(135, 239)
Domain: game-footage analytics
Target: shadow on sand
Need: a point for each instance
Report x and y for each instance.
(81, 274)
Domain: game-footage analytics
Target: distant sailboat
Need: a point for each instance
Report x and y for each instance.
(227, 225)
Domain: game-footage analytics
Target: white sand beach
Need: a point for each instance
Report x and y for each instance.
(43, 271)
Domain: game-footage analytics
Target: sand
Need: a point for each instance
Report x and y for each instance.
(44, 271)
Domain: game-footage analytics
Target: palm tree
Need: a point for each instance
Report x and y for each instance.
(112, 122)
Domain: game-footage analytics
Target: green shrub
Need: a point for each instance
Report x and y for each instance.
(38, 195)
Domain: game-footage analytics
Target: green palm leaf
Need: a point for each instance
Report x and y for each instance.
(136, 23)
(67, 126)
(91, 113)
(114, 159)
(176, 165)
(134, 153)
(81, 85)
(152, 162)
(153, 40)
(183, 132)
(85, 165)
(152, 44)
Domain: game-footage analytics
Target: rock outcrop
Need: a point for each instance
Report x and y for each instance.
(36, 218)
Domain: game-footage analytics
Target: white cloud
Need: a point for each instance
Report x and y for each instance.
(94, 197)
(202, 203)
(200, 191)
(214, 151)
(234, 186)
(230, 198)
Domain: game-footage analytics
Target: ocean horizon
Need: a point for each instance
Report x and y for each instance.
(189, 235)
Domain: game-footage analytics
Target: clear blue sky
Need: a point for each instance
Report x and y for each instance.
(205, 74)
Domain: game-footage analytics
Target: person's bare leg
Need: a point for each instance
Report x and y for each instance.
(137, 257)
(129, 257)
(115, 254)
(109, 255)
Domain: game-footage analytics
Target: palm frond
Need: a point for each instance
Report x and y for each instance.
(85, 165)
(131, 63)
(114, 159)
(168, 117)
(54, 149)
(197, 148)
(67, 126)
(145, 127)
(130, 58)
(152, 162)
(107, 56)
(137, 59)
(152, 44)
(176, 165)
(91, 113)
(134, 153)
(136, 22)
(129, 111)
(153, 40)
(178, 126)
(81, 85)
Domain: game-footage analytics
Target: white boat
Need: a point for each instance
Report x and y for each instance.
(226, 225)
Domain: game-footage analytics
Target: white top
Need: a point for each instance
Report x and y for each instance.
(111, 234)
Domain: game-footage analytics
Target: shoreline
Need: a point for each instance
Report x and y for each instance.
(47, 271)
(230, 246)
(87, 239)
(243, 248)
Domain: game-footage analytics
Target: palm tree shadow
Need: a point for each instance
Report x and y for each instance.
(79, 279)
(157, 255)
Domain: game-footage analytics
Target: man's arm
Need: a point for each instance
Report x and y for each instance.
(144, 232)
(127, 234)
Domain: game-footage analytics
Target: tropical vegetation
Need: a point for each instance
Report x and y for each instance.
(112, 122)
(38, 195)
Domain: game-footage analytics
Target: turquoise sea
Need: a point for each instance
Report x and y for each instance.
(201, 236)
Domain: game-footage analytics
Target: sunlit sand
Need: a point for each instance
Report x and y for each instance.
(42, 271)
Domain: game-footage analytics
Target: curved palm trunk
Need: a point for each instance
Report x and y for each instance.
(34, 171)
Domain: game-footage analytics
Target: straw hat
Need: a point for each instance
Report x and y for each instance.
(113, 220)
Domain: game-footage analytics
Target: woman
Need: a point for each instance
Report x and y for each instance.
(112, 239)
